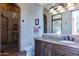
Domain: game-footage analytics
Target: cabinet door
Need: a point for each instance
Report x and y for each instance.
(58, 52)
(47, 48)
(39, 48)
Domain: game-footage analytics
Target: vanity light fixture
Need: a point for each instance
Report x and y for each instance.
(61, 7)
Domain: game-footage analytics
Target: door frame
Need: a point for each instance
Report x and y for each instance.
(44, 15)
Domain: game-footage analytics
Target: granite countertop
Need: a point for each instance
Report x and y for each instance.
(74, 45)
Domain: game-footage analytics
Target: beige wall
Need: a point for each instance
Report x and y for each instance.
(29, 12)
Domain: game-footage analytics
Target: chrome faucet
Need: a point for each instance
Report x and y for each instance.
(68, 38)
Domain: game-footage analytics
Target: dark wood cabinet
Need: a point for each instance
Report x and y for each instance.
(39, 48)
(52, 49)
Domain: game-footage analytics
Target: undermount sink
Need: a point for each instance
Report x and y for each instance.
(70, 42)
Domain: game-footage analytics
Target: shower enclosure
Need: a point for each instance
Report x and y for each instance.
(9, 29)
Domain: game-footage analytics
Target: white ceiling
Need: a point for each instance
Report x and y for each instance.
(49, 5)
(46, 5)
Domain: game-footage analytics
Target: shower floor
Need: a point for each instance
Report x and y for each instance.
(9, 52)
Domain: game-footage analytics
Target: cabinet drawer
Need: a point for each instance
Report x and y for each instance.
(64, 53)
(66, 49)
(59, 53)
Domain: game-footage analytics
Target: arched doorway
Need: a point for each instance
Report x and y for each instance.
(10, 28)
(45, 23)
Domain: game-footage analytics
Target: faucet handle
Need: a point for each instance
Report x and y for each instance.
(73, 39)
(68, 38)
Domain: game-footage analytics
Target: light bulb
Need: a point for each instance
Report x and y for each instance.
(70, 6)
(53, 11)
(60, 9)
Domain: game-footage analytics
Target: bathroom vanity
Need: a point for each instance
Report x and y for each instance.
(48, 47)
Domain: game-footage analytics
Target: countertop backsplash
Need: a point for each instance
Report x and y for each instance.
(69, 37)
